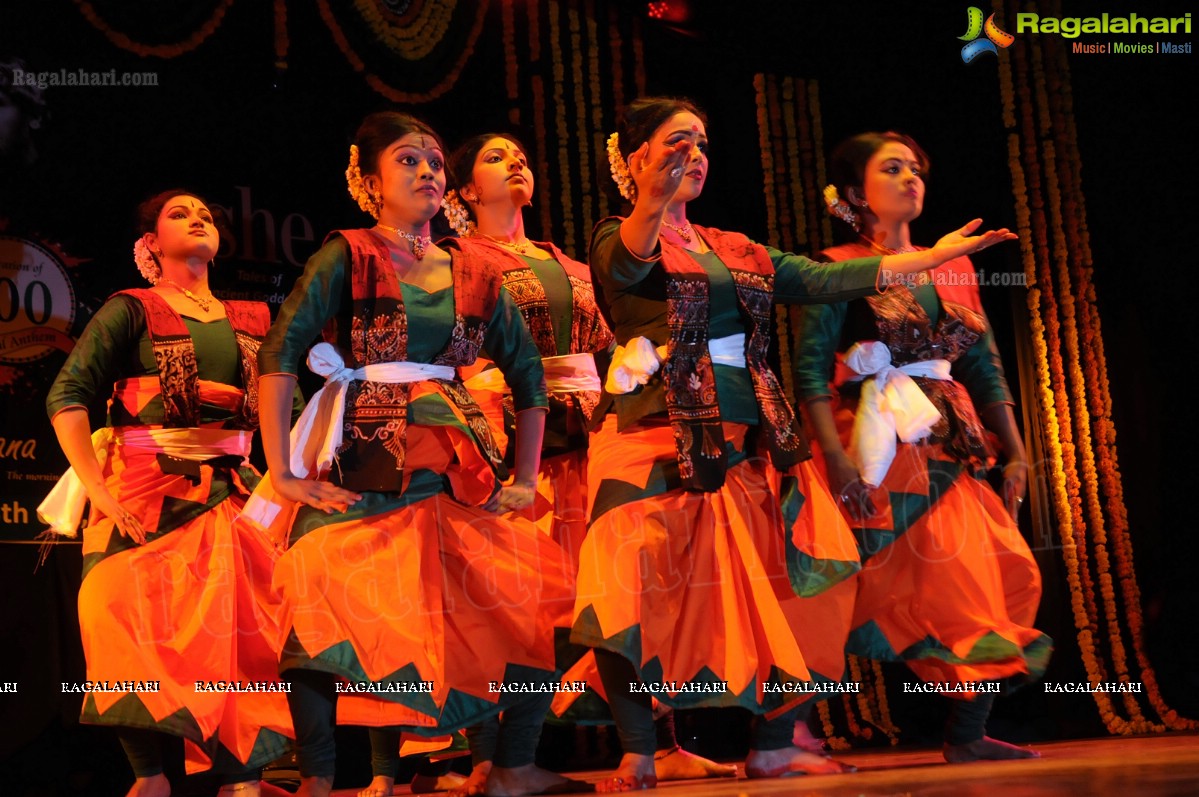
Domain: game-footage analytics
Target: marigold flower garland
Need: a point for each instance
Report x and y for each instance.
(165, 51)
(783, 120)
(281, 40)
(378, 84)
(616, 47)
(558, 98)
(543, 168)
(764, 150)
(416, 39)
(826, 227)
(795, 130)
(638, 57)
(1057, 478)
(1098, 387)
(831, 738)
(810, 185)
(582, 130)
(779, 158)
(597, 101)
(1074, 324)
(511, 85)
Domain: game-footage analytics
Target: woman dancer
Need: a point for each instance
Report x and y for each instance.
(683, 588)
(172, 592)
(396, 571)
(493, 185)
(948, 585)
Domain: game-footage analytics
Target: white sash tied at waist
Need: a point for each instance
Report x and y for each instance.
(62, 509)
(892, 406)
(636, 361)
(318, 434)
(565, 373)
(728, 351)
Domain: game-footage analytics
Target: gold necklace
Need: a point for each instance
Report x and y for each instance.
(685, 231)
(520, 247)
(880, 248)
(418, 242)
(204, 302)
(919, 278)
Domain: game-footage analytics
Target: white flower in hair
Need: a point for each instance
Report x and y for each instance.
(146, 264)
(620, 169)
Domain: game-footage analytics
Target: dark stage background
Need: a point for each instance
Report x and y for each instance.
(263, 130)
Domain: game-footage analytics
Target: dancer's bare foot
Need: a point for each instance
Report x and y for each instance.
(986, 749)
(380, 786)
(315, 787)
(677, 764)
(246, 788)
(635, 772)
(474, 785)
(803, 738)
(789, 761)
(450, 781)
(530, 779)
(153, 786)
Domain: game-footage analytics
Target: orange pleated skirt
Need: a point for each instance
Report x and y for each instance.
(948, 584)
(193, 604)
(420, 589)
(692, 588)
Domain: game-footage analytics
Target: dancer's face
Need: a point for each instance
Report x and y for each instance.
(684, 126)
(185, 230)
(501, 174)
(410, 178)
(894, 184)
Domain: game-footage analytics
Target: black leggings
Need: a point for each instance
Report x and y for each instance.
(508, 741)
(968, 719)
(634, 713)
(313, 704)
(143, 748)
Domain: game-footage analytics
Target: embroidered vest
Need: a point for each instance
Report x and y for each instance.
(589, 333)
(689, 382)
(377, 412)
(905, 327)
(175, 356)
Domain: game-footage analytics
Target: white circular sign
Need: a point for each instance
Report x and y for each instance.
(37, 302)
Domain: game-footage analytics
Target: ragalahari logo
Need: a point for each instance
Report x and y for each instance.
(975, 27)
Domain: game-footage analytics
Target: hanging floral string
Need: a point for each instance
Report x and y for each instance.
(638, 57)
(616, 48)
(831, 738)
(1073, 388)
(166, 51)
(411, 38)
(563, 133)
(543, 166)
(583, 132)
(281, 41)
(380, 86)
(508, 22)
(826, 227)
(597, 104)
(794, 183)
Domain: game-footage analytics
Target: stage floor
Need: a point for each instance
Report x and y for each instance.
(1146, 766)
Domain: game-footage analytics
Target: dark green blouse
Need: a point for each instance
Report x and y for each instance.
(114, 345)
(831, 328)
(559, 297)
(634, 291)
(321, 298)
